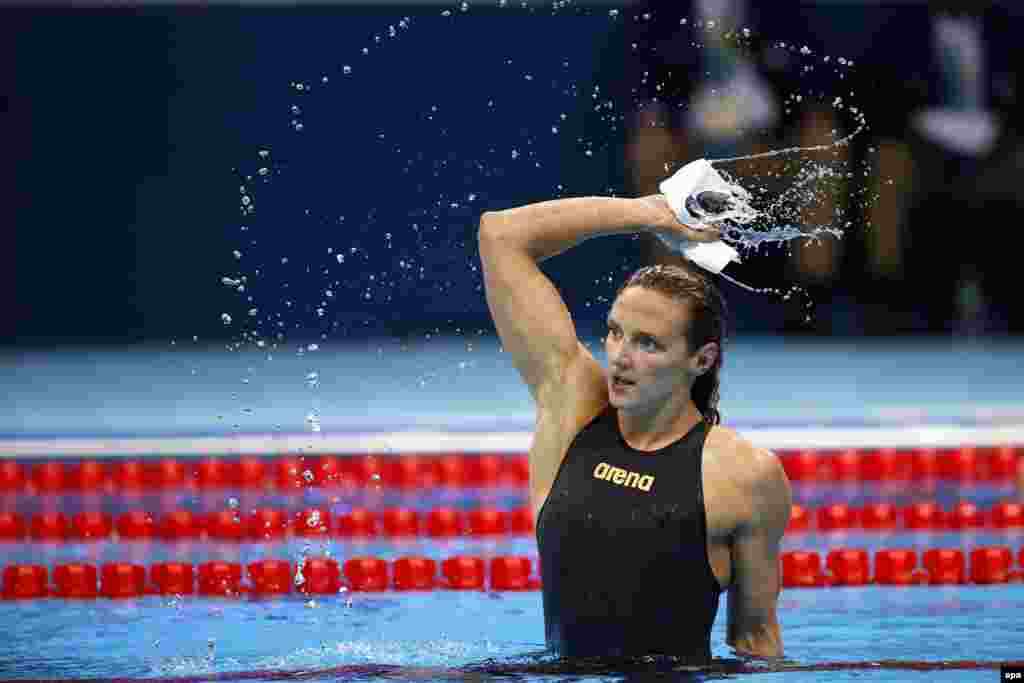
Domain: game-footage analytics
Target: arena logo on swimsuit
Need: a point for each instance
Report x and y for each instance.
(617, 475)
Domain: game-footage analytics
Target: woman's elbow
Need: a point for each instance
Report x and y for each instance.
(489, 221)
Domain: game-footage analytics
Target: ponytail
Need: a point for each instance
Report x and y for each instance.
(705, 393)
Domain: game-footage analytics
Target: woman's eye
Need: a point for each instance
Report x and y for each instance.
(647, 344)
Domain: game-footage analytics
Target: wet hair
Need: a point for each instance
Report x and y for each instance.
(708, 314)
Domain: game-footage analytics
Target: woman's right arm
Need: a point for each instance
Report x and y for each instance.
(533, 322)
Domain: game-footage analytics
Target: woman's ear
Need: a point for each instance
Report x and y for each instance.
(707, 355)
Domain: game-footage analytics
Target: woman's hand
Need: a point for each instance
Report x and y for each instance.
(664, 224)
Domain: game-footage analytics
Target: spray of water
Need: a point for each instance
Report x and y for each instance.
(769, 218)
(775, 219)
(862, 124)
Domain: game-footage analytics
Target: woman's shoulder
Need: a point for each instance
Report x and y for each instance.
(742, 461)
(755, 477)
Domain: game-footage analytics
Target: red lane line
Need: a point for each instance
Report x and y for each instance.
(326, 576)
(441, 520)
(964, 463)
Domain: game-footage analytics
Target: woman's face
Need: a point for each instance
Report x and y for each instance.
(648, 353)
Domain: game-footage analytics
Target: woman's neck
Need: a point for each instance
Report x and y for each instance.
(652, 430)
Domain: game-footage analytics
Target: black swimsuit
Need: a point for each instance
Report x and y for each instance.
(623, 548)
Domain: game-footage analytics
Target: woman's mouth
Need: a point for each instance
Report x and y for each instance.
(619, 384)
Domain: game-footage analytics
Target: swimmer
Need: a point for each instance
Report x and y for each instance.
(646, 507)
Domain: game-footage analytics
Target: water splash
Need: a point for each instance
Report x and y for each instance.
(748, 226)
(749, 223)
(842, 142)
(771, 218)
(313, 521)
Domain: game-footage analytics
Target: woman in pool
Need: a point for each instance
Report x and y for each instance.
(646, 507)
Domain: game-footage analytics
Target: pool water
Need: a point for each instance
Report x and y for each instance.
(837, 633)
(873, 632)
(264, 639)
(169, 403)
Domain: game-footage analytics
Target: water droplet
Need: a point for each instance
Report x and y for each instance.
(225, 318)
(346, 69)
(313, 347)
(613, 13)
(264, 153)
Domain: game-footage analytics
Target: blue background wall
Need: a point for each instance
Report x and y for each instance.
(128, 135)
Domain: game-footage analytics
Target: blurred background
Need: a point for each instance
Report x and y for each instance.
(247, 179)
